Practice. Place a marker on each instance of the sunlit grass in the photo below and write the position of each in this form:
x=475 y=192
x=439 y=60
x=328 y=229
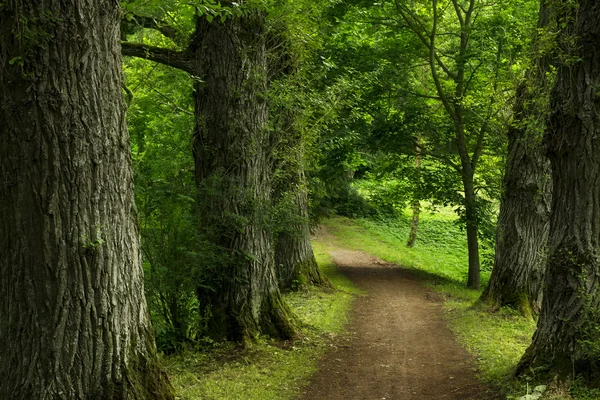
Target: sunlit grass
x=440 y=259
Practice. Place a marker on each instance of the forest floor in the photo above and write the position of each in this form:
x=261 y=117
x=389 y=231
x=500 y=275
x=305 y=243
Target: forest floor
x=398 y=345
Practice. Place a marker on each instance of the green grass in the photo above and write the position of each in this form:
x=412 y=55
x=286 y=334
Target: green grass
x=268 y=370
x=440 y=259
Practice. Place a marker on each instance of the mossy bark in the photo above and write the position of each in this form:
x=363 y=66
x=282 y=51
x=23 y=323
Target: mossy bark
x=73 y=317
x=523 y=223
x=294 y=258
x=234 y=176
x=566 y=341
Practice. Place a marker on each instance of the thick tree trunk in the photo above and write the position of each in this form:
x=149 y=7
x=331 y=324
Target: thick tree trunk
x=523 y=226
x=294 y=258
x=523 y=223
x=295 y=261
x=569 y=319
x=233 y=172
x=73 y=318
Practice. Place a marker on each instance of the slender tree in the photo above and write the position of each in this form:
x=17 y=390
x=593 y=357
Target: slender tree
x=452 y=83
x=416 y=204
x=523 y=223
x=73 y=317
x=565 y=342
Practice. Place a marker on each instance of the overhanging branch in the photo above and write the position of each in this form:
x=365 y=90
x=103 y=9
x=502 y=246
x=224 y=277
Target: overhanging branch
x=177 y=59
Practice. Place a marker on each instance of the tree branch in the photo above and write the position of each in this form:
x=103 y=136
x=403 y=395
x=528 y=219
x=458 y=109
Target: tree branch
x=153 y=23
x=414 y=23
x=177 y=59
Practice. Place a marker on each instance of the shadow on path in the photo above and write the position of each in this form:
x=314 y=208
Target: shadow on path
x=398 y=346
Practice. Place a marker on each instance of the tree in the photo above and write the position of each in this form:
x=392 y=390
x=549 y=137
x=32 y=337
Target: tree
x=231 y=151
x=452 y=85
x=228 y=54
x=565 y=343
x=73 y=317
x=295 y=262
x=455 y=60
x=523 y=223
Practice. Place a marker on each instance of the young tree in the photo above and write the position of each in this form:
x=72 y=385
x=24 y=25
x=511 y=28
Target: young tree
x=466 y=58
x=565 y=343
x=523 y=223
x=73 y=317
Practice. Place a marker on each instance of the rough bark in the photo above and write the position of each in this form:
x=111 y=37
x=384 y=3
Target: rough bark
x=569 y=316
x=295 y=261
x=524 y=220
x=234 y=170
x=523 y=224
x=294 y=257
x=73 y=317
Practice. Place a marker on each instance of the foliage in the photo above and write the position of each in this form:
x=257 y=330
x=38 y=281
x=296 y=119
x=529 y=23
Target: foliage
x=176 y=258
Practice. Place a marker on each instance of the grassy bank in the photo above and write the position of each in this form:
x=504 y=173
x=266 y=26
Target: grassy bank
x=440 y=259
x=268 y=370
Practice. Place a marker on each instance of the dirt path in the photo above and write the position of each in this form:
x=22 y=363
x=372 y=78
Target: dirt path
x=399 y=346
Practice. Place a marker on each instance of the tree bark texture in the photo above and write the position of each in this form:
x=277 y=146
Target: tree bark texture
x=524 y=220
x=73 y=318
x=523 y=223
x=233 y=170
x=569 y=316
x=294 y=257
x=295 y=261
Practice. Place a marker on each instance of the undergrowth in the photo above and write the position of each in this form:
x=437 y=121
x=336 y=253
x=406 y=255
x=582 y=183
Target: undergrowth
x=268 y=370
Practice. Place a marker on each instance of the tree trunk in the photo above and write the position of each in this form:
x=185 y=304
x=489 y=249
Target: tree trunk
x=233 y=171
x=73 y=317
x=414 y=225
x=523 y=223
x=294 y=258
x=416 y=205
x=472 y=230
x=565 y=342
x=295 y=261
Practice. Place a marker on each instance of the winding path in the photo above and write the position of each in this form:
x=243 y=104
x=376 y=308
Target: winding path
x=399 y=346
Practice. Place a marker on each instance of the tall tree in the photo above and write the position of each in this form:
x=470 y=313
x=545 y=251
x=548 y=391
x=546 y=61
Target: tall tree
x=524 y=220
x=295 y=261
x=232 y=165
x=231 y=151
x=450 y=34
x=565 y=342
x=73 y=317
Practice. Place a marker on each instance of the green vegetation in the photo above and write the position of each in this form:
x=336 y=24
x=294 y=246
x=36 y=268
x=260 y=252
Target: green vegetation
x=266 y=370
x=499 y=339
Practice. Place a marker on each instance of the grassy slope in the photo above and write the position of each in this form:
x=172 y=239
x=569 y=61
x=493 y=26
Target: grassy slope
x=440 y=257
x=263 y=370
